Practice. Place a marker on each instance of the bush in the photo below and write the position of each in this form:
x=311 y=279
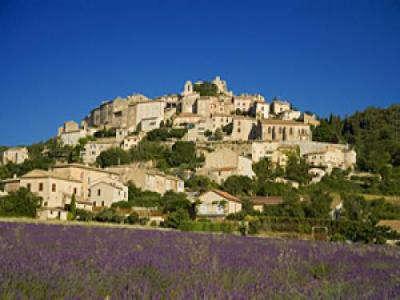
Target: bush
x=337 y=237
x=84 y=215
x=133 y=218
x=177 y=218
x=21 y=203
x=143 y=221
x=109 y=215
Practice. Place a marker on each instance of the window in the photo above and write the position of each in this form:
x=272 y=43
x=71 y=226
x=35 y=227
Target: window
x=94 y=203
x=53 y=187
x=98 y=192
x=269 y=129
x=40 y=186
x=75 y=191
x=88 y=191
x=102 y=203
x=28 y=186
x=45 y=203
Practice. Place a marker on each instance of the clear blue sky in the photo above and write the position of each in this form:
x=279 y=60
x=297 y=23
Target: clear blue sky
x=59 y=59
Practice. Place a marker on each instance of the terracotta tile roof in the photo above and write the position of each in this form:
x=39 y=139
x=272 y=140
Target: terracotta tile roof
x=262 y=200
x=226 y=195
x=393 y=224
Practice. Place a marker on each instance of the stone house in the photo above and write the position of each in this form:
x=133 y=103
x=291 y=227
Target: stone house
x=149 y=179
x=131 y=141
x=57 y=186
x=261 y=109
x=279 y=106
x=15 y=155
x=186 y=118
x=310 y=119
x=55 y=189
x=70 y=133
x=245 y=128
x=260 y=202
x=243 y=103
x=217 y=204
x=104 y=193
x=93 y=149
x=222 y=163
x=290 y=115
x=220 y=120
x=128 y=113
x=275 y=152
x=332 y=157
x=85 y=174
x=147 y=114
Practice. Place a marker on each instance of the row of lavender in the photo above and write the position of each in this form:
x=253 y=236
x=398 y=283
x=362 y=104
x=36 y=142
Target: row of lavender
x=54 y=261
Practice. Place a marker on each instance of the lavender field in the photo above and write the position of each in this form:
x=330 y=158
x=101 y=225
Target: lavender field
x=54 y=261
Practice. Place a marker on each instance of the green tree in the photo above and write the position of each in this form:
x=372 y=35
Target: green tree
x=21 y=203
x=319 y=205
x=297 y=169
x=72 y=207
x=177 y=218
x=183 y=153
x=113 y=156
x=200 y=183
x=206 y=89
x=264 y=169
x=238 y=185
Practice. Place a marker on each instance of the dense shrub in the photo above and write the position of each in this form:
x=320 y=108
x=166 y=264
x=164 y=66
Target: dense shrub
x=21 y=203
x=84 y=215
x=133 y=218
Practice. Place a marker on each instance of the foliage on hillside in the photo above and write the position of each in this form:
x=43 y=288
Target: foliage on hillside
x=181 y=155
x=44 y=155
x=206 y=88
x=375 y=133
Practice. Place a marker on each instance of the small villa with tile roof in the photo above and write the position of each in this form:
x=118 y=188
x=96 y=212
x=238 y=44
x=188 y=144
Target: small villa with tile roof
x=218 y=204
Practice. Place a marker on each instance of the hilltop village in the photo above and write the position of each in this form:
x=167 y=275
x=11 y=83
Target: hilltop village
x=211 y=132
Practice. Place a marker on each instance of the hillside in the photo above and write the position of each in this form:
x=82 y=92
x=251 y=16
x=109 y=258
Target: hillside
x=375 y=133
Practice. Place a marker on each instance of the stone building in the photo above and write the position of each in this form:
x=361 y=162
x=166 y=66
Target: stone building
x=93 y=149
x=310 y=119
x=260 y=203
x=131 y=112
x=131 y=141
x=149 y=179
x=220 y=120
x=332 y=157
x=15 y=155
x=70 y=133
x=105 y=192
x=280 y=106
x=273 y=130
x=90 y=186
x=244 y=102
x=187 y=118
x=275 y=152
x=222 y=163
x=245 y=128
x=218 y=204
x=290 y=115
x=261 y=109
